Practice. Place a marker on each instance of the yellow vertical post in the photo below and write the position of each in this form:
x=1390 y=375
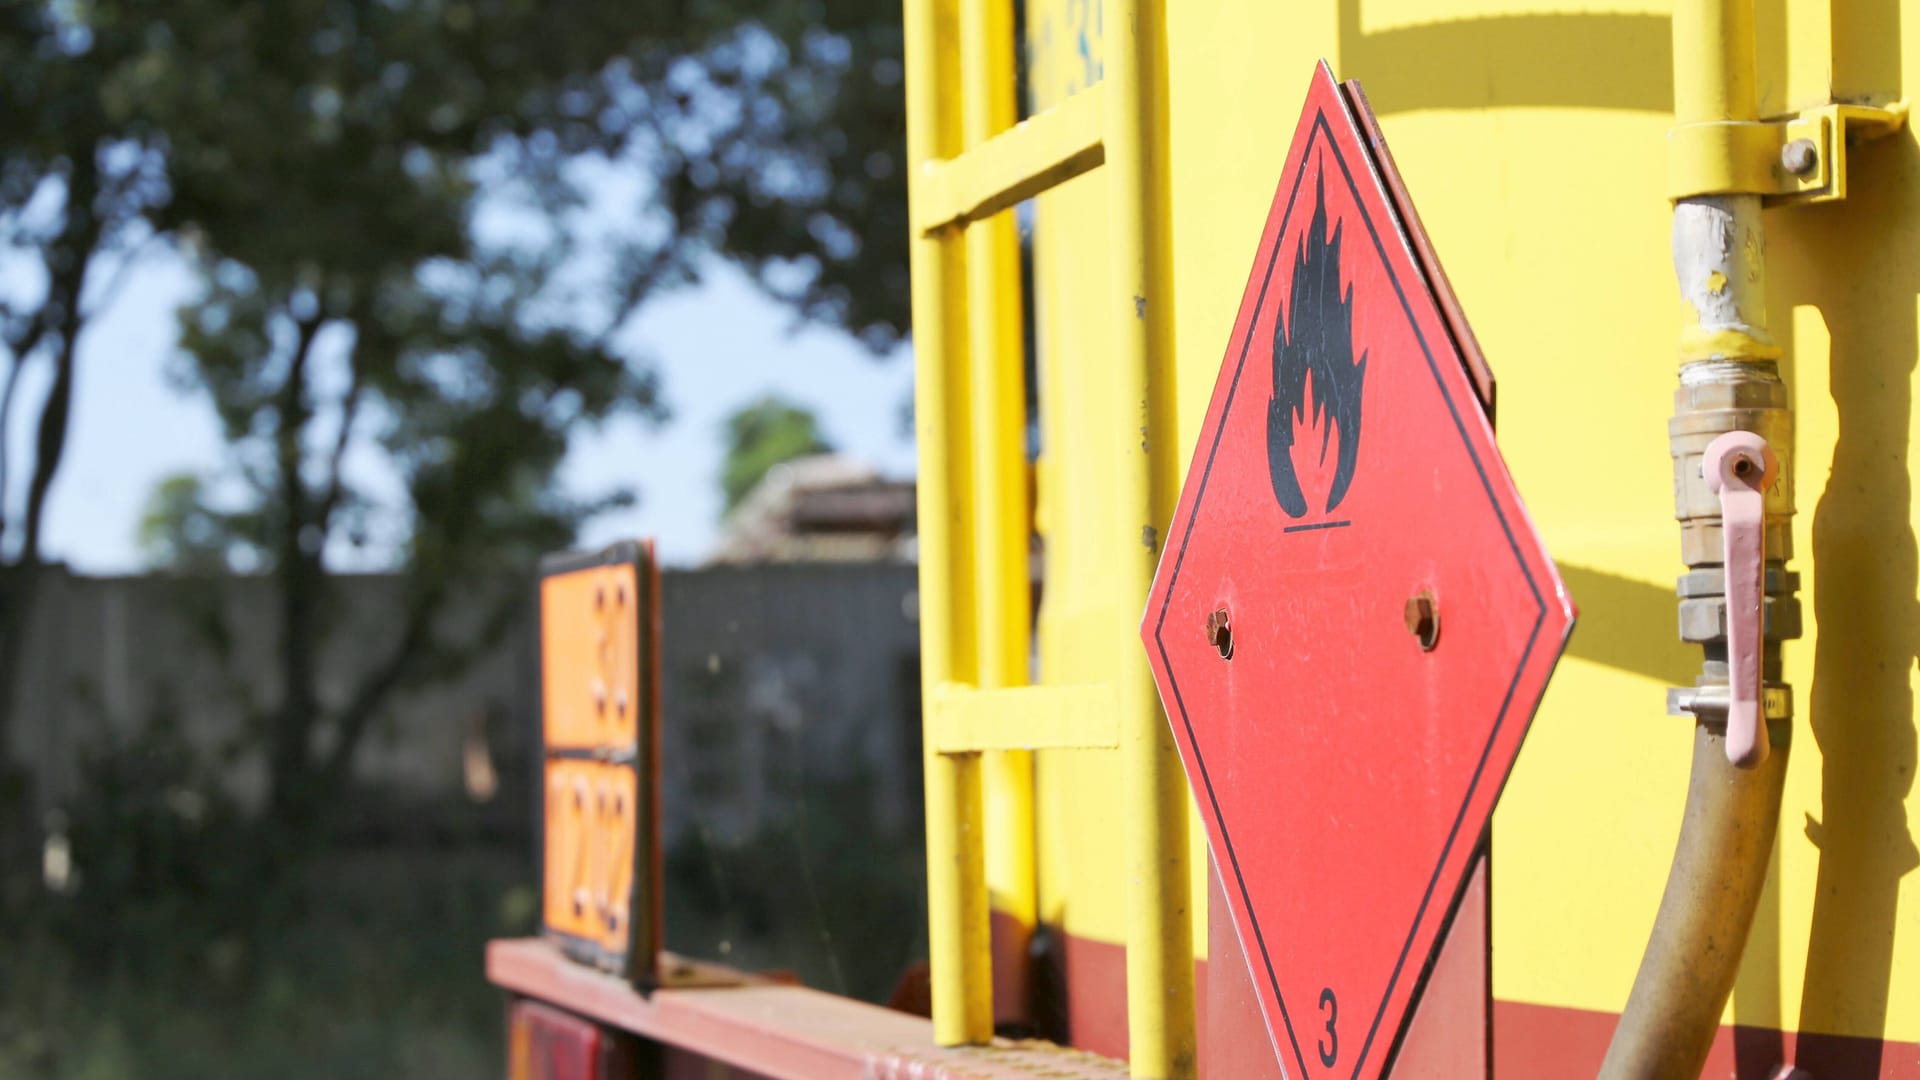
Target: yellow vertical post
x=1002 y=600
x=1160 y=1017
x=957 y=934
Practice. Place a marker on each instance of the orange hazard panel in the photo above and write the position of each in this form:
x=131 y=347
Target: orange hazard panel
x=590 y=833
x=590 y=656
x=599 y=669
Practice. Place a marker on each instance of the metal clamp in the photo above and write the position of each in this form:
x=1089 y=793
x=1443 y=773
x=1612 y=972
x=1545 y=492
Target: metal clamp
x=1787 y=160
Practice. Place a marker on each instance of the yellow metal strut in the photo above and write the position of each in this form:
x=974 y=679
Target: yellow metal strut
x=969 y=163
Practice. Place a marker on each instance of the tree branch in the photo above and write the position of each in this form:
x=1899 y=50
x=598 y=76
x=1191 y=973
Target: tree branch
x=33 y=331
x=382 y=681
x=295 y=410
x=121 y=273
x=6 y=427
x=67 y=264
x=349 y=410
x=67 y=261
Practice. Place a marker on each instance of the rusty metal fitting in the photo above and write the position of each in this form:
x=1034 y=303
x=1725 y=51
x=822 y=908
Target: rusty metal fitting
x=1703 y=606
x=1220 y=632
x=1422 y=618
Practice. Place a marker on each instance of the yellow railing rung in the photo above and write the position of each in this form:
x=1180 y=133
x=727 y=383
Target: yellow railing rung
x=1040 y=152
x=962 y=719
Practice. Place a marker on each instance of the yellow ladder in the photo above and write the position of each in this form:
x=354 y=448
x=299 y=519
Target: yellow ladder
x=970 y=163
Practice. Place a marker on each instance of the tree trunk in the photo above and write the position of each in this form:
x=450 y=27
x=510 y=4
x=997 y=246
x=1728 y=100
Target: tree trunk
x=67 y=260
x=298 y=567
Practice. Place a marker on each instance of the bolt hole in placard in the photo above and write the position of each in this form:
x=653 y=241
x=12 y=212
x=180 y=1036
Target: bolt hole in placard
x=1344 y=481
x=1220 y=633
x=599 y=741
x=1422 y=617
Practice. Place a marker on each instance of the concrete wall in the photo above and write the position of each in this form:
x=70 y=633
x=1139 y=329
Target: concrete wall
x=779 y=681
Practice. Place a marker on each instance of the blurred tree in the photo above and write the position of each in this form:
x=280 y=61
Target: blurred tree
x=181 y=530
x=792 y=114
x=397 y=214
x=335 y=133
x=328 y=161
x=79 y=170
x=764 y=434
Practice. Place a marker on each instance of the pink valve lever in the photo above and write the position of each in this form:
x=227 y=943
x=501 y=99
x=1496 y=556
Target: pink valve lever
x=1739 y=466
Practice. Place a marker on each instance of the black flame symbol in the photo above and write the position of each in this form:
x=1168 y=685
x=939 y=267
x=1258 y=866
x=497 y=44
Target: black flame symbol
x=1317 y=339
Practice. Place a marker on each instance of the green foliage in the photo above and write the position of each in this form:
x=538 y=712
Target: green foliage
x=797 y=162
x=764 y=434
x=366 y=964
x=189 y=943
x=771 y=133
x=330 y=168
x=325 y=161
x=180 y=529
x=410 y=294
x=388 y=208
x=156 y=846
x=79 y=173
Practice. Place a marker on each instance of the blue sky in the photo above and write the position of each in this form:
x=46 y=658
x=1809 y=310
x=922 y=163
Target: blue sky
x=717 y=346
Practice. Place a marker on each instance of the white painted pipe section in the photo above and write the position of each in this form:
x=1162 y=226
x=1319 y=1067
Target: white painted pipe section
x=1719 y=259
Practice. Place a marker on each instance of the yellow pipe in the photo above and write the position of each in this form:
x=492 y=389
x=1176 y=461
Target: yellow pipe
x=1160 y=1017
x=1002 y=579
x=1713 y=62
x=957 y=931
x=1714 y=99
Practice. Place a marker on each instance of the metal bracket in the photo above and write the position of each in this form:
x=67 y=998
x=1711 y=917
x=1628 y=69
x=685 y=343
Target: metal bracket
x=1788 y=160
x=1830 y=129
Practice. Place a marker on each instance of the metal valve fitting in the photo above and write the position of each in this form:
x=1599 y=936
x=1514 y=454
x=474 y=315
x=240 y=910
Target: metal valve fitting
x=1715 y=398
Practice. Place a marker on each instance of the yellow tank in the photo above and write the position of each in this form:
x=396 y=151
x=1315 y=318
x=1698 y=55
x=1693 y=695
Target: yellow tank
x=1534 y=140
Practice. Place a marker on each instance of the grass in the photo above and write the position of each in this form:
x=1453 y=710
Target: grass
x=366 y=964
x=194 y=947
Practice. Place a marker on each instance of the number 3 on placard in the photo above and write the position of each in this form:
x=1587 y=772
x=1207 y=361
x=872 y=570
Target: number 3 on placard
x=1330 y=1046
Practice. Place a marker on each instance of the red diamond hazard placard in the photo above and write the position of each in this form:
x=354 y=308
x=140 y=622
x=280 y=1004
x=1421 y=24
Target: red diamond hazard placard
x=1354 y=619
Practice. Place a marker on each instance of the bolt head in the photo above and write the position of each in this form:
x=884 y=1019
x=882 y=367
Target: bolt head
x=1800 y=157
